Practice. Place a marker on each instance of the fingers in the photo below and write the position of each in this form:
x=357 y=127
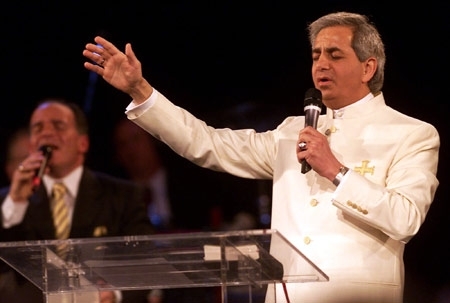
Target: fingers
x=306 y=136
x=94 y=68
x=23 y=175
x=105 y=47
x=302 y=142
x=129 y=52
x=91 y=53
x=96 y=62
x=306 y=143
x=132 y=59
x=31 y=163
x=103 y=51
x=24 y=169
x=95 y=52
x=100 y=53
x=302 y=146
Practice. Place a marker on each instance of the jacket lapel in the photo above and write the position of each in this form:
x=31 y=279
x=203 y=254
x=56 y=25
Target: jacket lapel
x=88 y=205
x=40 y=216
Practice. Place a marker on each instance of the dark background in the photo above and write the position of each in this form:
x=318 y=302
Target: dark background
x=231 y=63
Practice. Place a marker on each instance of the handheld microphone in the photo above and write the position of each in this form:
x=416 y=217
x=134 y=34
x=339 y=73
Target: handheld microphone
x=312 y=108
x=47 y=152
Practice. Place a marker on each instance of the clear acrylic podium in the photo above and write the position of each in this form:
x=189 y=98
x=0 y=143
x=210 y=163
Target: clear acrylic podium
x=76 y=270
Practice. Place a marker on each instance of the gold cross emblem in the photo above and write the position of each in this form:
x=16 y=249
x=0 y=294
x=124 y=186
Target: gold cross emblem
x=363 y=169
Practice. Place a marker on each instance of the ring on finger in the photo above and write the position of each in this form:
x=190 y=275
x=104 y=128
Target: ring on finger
x=302 y=145
x=21 y=167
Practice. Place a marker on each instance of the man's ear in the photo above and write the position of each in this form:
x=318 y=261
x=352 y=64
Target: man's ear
x=83 y=144
x=370 y=67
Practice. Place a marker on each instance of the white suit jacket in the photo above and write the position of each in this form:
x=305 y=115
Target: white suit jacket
x=355 y=234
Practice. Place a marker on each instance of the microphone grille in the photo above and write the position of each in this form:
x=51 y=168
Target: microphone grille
x=46 y=150
x=313 y=96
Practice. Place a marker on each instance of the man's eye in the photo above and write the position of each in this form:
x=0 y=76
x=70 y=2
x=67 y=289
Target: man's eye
x=35 y=129
x=335 y=56
x=60 y=126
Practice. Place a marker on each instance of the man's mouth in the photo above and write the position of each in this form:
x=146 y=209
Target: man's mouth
x=323 y=80
x=47 y=147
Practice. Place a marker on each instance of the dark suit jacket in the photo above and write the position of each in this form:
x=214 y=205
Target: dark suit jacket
x=105 y=207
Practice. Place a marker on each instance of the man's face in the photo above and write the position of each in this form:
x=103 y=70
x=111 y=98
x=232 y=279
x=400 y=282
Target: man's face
x=54 y=124
x=336 y=70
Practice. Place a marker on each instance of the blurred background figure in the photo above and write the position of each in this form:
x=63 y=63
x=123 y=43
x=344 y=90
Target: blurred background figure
x=137 y=155
x=17 y=149
x=138 y=160
x=96 y=204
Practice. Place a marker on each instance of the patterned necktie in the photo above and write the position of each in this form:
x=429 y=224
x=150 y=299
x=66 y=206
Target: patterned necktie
x=60 y=212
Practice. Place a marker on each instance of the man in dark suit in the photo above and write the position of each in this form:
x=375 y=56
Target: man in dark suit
x=98 y=205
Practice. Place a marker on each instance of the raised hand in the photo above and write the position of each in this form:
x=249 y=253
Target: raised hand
x=121 y=70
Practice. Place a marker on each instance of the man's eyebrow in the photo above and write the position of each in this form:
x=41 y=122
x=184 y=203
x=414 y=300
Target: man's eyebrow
x=327 y=49
x=35 y=123
x=52 y=121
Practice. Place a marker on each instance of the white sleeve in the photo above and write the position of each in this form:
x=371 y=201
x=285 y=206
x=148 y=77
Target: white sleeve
x=138 y=109
x=13 y=212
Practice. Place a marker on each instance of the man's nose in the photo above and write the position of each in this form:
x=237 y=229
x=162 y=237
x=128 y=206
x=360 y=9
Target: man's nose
x=322 y=62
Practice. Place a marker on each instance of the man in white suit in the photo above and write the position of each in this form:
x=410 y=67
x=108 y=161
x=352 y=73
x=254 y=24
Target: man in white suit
x=373 y=175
